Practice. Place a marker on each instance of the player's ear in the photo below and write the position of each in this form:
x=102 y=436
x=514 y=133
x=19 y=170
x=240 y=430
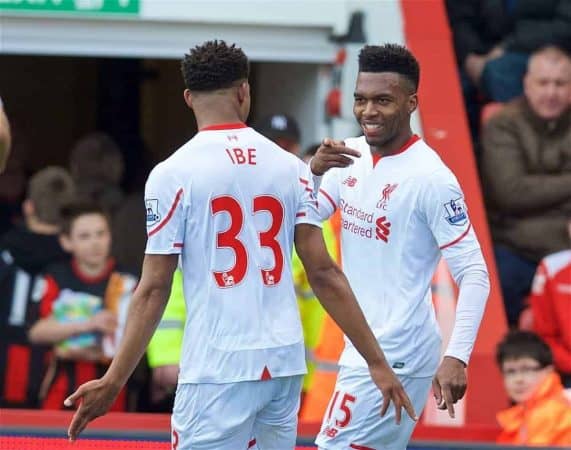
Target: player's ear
x=412 y=102
x=243 y=91
x=188 y=98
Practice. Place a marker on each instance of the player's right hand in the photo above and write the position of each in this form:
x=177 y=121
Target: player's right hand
x=331 y=154
x=96 y=398
x=392 y=390
x=104 y=321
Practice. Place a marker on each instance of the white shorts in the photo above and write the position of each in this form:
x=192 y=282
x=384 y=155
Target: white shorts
x=352 y=419
x=226 y=416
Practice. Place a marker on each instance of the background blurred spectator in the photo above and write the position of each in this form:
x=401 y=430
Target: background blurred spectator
x=283 y=130
x=526 y=167
x=96 y=165
x=5 y=137
x=493 y=38
x=541 y=414
x=551 y=307
x=13 y=183
x=130 y=233
x=25 y=252
x=129 y=228
x=83 y=306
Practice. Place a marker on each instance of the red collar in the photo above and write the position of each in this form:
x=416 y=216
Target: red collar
x=414 y=138
x=89 y=279
x=224 y=126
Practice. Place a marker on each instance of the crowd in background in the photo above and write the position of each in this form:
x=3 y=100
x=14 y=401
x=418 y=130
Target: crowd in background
x=73 y=240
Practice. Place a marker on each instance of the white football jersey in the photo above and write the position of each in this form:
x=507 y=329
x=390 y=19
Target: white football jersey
x=228 y=202
x=397 y=218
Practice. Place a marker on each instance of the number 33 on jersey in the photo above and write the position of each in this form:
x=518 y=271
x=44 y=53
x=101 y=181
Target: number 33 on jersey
x=228 y=202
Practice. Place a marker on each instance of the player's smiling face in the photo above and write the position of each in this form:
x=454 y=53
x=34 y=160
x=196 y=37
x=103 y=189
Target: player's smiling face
x=382 y=106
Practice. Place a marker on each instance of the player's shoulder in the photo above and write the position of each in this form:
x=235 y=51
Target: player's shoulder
x=555 y=262
x=170 y=168
x=282 y=160
x=268 y=145
x=429 y=165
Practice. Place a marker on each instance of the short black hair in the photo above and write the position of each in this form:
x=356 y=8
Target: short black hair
x=72 y=211
x=519 y=344
x=390 y=58
x=214 y=65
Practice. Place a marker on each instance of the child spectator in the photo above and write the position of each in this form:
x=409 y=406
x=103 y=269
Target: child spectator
x=83 y=306
x=25 y=251
x=541 y=414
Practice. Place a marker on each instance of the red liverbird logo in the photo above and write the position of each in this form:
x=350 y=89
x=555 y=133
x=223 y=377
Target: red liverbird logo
x=386 y=195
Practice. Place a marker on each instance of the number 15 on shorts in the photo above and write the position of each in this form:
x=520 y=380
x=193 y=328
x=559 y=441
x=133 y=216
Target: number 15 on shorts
x=339 y=413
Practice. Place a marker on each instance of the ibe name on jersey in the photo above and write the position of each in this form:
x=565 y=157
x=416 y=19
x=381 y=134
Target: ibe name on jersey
x=238 y=156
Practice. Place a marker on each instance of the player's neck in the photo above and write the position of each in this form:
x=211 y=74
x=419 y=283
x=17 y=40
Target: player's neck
x=395 y=145
x=209 y=119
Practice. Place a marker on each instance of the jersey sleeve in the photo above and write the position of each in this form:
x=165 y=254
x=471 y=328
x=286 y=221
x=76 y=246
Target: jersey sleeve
x=307 y=209
x=326 y=192
x=164 y=204
x=444 y=209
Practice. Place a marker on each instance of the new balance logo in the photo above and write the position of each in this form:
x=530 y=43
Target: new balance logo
x=383 y=229
x=330 y=432
x=350 y=181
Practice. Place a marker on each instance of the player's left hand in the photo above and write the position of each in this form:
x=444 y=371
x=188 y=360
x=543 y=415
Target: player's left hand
x=97 y=397
x=449 y=384
x=393 y=391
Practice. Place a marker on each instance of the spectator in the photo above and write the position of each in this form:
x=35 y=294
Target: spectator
x=551 y=307
x=283 y=130
x=129 y=232
x=5 y=138
x=96 y=165
x=129 y=229
x=541 y=414
x=83 y=306
x=25 y=252
x=526 y=167
x=13 y=184
x=493 y=38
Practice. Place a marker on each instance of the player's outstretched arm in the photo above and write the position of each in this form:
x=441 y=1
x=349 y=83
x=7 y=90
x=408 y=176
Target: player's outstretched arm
x=145 y=311
x=332 y=288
